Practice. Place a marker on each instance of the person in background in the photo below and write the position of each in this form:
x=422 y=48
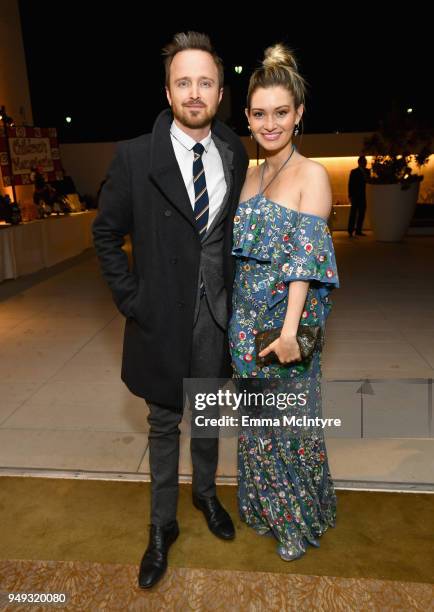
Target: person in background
x=357 y=197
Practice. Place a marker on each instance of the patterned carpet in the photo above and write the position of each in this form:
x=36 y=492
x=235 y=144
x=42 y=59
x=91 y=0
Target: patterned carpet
x=95 y=586
x=86 y=538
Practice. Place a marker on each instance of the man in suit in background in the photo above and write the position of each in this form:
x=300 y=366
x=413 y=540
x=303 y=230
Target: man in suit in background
x=357 y=197
x=175 y=192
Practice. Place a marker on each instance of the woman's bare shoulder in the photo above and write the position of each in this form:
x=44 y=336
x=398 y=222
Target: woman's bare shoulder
x=314 y=169
x=311 y=167
x=316 y=195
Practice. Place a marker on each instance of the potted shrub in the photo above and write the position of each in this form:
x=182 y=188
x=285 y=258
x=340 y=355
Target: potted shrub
x=393 y=187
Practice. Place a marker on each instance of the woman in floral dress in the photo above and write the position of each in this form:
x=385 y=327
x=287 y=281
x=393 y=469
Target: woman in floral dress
x=285 y=270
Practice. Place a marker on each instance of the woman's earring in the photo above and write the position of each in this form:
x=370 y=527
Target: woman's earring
x=250 y=130
x=296 y=129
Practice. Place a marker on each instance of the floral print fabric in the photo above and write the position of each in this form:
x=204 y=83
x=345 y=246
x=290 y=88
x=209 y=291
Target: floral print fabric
x=285 y=487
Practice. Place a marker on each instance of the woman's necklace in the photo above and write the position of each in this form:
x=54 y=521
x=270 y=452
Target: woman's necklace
x=261 y=191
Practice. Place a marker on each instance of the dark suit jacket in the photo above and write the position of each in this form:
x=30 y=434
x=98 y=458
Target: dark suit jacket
x=145 y=196
x=357 y=185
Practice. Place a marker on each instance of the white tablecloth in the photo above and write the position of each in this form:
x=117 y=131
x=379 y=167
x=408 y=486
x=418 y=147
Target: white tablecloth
x=40 y=244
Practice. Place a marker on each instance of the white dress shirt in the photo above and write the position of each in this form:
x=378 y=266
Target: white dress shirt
x=212 y=164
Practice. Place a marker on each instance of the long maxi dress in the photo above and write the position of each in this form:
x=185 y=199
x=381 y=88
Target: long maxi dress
x=285 y=487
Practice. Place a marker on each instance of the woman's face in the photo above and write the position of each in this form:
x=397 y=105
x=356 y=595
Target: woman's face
x=272 y=117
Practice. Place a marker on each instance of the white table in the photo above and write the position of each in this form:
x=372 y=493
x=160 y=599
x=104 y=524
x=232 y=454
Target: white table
x=29 y=247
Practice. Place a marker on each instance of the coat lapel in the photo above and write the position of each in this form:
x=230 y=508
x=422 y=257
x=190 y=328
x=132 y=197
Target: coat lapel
x=164 y=169
x=166 y=175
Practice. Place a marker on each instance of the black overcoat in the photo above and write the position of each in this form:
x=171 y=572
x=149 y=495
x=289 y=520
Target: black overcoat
x=145 y=196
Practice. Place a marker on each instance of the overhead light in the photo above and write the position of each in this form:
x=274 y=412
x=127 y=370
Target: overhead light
x=68 y=119
x=238 y=69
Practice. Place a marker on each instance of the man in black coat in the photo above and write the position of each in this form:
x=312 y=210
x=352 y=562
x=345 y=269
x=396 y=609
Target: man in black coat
x=357 y=197
x=175 y=192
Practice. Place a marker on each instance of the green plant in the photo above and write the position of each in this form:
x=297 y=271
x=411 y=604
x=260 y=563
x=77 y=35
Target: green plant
x=398 y=143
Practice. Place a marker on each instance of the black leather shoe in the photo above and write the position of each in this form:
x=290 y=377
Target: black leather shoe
x=219 y=521
x=154 y=561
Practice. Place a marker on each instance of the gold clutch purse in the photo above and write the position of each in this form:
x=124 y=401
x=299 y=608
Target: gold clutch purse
x=308 y=337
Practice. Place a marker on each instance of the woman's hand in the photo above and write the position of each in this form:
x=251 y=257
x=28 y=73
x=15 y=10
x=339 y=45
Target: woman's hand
x=286 y=348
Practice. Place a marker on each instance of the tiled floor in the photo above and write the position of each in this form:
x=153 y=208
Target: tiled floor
x=63 y=405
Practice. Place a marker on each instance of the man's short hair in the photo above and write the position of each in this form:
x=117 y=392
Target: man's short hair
x=184 y=41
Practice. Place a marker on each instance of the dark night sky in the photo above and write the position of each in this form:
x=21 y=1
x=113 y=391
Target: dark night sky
x=102 y=65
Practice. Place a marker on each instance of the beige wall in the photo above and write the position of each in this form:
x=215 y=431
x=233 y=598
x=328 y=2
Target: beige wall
x=14 y=86
x=339 y=153
x=321 y=145
x=87 y=164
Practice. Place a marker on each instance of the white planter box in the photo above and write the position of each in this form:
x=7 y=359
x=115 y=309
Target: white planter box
x=391 y=209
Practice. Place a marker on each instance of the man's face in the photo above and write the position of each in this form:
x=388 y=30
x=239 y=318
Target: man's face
x=194 y=92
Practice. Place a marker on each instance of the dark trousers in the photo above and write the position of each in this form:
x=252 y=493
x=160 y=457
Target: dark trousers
x=207 y=356
x=357 y=215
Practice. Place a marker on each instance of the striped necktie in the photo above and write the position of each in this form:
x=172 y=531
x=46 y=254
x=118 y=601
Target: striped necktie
x=201 y=202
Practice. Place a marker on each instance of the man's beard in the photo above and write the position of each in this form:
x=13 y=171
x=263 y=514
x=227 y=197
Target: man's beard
x=193 y=120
